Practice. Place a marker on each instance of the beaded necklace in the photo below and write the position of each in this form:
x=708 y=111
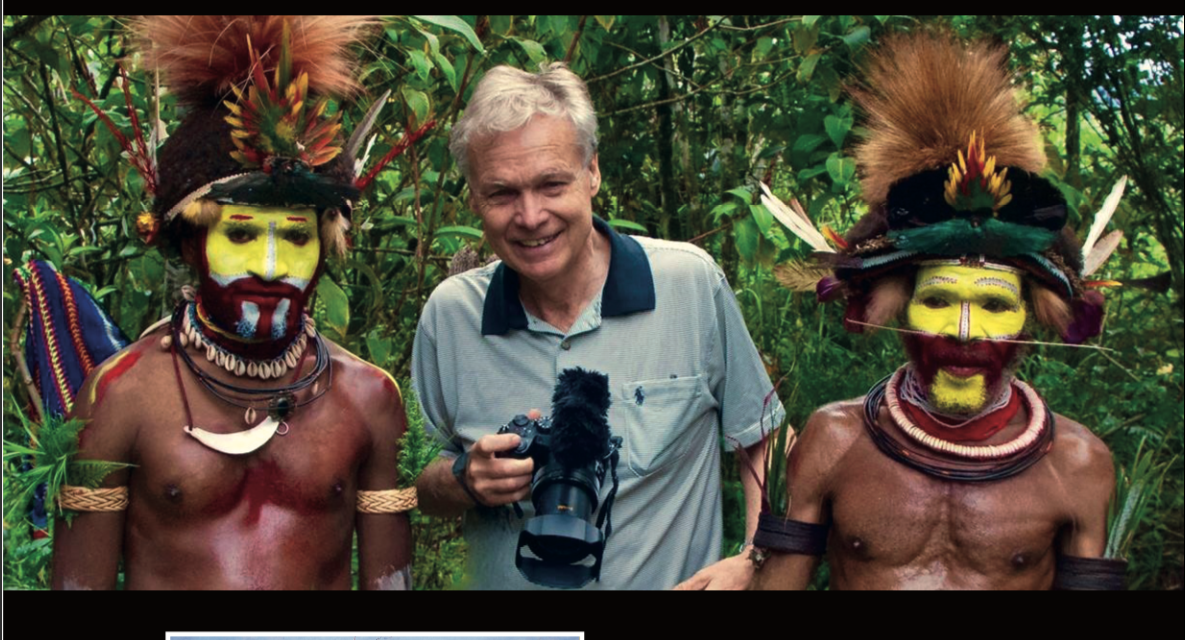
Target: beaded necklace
x=953 y=461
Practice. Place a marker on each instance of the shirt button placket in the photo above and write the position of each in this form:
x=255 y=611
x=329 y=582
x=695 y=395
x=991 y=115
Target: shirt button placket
x=564 y=356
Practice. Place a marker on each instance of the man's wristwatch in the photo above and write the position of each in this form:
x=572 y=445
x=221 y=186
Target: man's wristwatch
x=459 y=465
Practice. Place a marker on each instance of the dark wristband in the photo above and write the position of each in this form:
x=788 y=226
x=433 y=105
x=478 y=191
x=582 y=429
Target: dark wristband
x=459 y=465
x=776 y=533
x=1090 y=574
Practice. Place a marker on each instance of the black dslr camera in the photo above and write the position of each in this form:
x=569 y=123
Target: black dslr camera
x=572 y=450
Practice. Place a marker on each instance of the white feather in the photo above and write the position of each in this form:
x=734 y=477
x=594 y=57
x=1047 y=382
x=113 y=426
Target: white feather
x=1103 y=216
x=1101 y=251
x=795 y=221
x=363 y=128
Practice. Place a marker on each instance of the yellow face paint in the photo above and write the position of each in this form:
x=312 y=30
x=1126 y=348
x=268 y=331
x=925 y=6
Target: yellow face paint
x=267 y=242
x=958 y=396
x=967 y=303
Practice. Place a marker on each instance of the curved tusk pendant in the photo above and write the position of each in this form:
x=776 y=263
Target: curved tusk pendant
x=239 y=442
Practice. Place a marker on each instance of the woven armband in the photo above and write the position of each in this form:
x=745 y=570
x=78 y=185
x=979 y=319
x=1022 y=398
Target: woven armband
x=83 y=499
x=1090 y=574
x=387 y=501
x=790 y=536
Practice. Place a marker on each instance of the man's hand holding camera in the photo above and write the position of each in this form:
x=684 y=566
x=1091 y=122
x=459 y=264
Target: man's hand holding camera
x=498 y=481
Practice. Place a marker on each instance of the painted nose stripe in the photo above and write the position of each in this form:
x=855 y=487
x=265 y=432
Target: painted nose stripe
x=965 y=322
x=270 y=267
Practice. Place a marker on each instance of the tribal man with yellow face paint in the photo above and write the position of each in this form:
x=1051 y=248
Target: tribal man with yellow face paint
x=950 y=473
x=960 y=313
x=261 y=450
x=259 y=265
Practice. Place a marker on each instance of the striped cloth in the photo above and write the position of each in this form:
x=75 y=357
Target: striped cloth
x=67 y=336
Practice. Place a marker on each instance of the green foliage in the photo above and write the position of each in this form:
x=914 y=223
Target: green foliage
x=50 y=459
x=438 y=562
x=47 y=459
x=416 y=448
x=1135 y=490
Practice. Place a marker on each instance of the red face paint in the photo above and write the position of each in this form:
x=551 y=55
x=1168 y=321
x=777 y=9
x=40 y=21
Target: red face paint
x=930 y=353
x=223 y=304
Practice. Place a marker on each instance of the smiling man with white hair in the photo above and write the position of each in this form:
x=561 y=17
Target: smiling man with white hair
x=657 y=317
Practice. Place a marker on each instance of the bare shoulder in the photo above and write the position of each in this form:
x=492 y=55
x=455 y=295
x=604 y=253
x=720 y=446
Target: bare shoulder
x=113 y=400
x=1079 y=454
x=833 y=428
x=828 y=435
x=365 y=385
x=128 y=376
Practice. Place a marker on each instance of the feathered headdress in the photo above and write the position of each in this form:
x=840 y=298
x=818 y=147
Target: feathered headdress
x=257 y=129
x=949 y=170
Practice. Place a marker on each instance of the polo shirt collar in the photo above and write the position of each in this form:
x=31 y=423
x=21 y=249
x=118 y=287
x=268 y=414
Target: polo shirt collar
x=629 y=286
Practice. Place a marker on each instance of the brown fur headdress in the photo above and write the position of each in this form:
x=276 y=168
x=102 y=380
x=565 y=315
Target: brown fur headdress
x=203 y=56
x=949 y=169
x=925 y=94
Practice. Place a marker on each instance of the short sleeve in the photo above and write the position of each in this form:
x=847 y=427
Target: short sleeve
x=428 y=384
x=749 y=410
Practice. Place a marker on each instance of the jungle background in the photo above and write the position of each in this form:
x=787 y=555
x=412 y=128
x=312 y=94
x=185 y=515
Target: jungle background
x=694 y=111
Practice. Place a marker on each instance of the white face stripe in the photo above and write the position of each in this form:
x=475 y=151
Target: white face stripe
x=270 y=268
x=998 y=282
x=225 y=280
x=965 y=322
x=249 y=320
x=280 y=319
x=299 y=283
x=933 y=280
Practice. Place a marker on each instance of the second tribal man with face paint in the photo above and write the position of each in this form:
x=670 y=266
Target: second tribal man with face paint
x=951 y=473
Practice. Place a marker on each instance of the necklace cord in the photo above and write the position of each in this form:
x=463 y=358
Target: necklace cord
x=180 y=384
x=323 y=365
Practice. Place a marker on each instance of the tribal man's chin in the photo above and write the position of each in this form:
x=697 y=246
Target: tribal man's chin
x=255 y=318
x=962 y=377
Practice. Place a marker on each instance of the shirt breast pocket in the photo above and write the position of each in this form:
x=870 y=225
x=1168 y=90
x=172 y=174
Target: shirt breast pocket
x=663 y=420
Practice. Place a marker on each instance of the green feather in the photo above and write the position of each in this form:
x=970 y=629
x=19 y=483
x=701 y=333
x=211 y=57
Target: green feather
x=959 y=236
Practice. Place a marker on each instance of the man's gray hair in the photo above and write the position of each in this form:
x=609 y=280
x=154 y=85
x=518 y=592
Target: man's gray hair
x=506 y=98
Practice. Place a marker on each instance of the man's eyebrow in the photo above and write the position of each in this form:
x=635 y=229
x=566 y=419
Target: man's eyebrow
x=297 y=219
x=552 y=174
x=241 y=216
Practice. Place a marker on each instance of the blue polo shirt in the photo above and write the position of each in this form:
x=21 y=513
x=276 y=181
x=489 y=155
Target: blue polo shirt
x=667 y=330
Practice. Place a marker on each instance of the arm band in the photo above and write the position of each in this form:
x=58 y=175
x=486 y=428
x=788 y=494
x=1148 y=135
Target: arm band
x=387 y=501
x=116 y=499
x=83 y=499
x=1090 y=574
x=790 y=536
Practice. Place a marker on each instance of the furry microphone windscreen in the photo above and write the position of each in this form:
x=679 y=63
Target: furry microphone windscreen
x=580 y=417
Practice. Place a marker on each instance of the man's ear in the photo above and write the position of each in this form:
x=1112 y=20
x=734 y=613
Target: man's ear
x=191 y=247
x=594 y=179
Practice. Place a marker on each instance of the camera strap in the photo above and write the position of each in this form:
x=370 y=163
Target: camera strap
x=603 y=517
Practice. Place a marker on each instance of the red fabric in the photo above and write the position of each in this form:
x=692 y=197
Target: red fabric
x=977 y=431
